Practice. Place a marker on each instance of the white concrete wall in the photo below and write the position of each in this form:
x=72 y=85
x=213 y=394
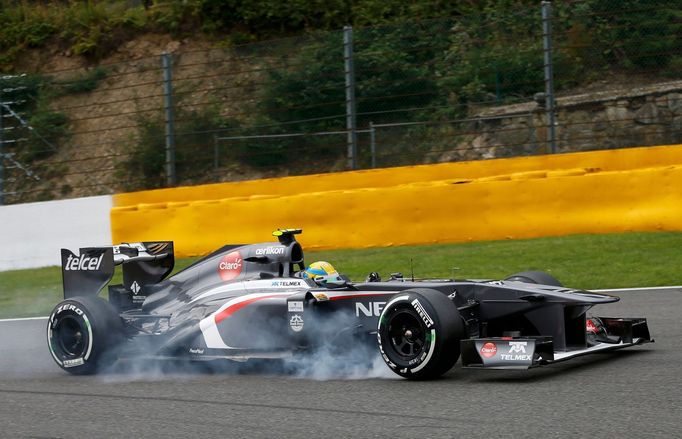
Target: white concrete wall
x=32 y=234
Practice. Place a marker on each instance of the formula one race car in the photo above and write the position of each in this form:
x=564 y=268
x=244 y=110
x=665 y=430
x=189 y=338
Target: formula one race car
x=246 y=302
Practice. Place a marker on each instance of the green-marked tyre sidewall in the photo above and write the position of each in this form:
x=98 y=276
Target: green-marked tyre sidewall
x=442 y=337
x=100 y=327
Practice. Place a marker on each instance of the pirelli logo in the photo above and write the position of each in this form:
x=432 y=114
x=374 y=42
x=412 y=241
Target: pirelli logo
x=428 y=321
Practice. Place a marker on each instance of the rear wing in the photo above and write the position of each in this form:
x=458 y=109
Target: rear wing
x=143 y=263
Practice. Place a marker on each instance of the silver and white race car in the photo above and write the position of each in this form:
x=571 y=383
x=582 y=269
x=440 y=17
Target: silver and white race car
x=246 y=302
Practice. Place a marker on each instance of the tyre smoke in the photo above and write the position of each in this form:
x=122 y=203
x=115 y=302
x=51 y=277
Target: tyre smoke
x=338 y=353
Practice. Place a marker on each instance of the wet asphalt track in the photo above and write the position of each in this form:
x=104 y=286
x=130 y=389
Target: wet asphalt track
x=635 y=392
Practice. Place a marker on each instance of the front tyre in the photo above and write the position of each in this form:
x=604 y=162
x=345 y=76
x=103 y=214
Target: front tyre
x=82 y=333
x=419 y=334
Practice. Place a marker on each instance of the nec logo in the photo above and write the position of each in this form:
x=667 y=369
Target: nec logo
x=371 y=309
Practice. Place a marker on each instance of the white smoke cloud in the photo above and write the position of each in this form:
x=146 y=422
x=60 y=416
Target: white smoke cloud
x=341 y=354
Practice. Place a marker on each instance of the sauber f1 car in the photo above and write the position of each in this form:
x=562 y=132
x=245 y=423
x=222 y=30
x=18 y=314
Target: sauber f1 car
x=245 y=302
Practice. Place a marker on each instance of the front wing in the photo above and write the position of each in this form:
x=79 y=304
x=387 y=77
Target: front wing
x=527 y=352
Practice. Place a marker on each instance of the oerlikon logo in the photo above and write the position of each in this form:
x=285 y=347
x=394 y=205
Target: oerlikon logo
x=230 y=266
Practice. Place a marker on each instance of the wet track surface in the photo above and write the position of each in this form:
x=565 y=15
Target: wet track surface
x=635 y=392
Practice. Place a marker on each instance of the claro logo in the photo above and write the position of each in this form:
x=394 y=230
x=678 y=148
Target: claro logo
x=230 y=266
x=489 y=349
x=83 y=262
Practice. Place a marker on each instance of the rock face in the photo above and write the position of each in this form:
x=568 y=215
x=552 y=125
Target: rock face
x=650 y=115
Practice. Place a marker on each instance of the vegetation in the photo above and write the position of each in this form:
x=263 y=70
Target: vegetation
x=415 y=61
x=438 y=69
x=581 y=261
x=145 y=161
x=95 y=28
x=26 y=99
x=84 y=82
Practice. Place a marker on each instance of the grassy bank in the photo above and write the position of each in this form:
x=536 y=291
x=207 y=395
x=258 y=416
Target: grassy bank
x=581 y=261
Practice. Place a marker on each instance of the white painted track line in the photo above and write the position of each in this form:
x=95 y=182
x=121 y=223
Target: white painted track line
x=616 y=290
x=23 y=318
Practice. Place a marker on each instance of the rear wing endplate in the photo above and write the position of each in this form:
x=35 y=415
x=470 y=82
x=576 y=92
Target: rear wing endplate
x=91 y=270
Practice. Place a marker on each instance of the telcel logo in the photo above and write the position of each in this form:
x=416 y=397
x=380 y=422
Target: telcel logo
x=83 y=262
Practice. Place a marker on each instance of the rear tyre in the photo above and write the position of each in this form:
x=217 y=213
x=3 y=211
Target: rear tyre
x=82 y=334
x=419 y=334
x=535 y=277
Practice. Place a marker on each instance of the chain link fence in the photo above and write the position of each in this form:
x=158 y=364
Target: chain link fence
x=591 y=74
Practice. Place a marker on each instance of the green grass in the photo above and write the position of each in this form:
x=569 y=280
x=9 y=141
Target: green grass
x=580 y=261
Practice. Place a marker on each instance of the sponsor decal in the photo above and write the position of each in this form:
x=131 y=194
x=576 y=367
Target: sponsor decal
x=197 y=351
x=422 y=313
x=517 y=347
x=296 y=323
x=295 y=306
x=489 y=349
x=135 y=245
x=267 y=251
x=230 y=266
x=515 y=357
x=391 y=364
x=135 y=287
x=417 y=360
x=69 y=307
x=517 y=352
x=370 y=309
x=73 y=363
x=321 y=296
x=286 y=283
x=591 y=327
x=157 y=248
x=83 y=263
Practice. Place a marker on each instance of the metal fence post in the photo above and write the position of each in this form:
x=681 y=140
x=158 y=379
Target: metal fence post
x=350 y=97
x=373 y=144
x=549 y=73
x=216 y=159
x=166 y=61
x=2 y=156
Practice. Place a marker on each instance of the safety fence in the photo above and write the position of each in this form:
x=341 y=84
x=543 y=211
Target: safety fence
x=556 y=77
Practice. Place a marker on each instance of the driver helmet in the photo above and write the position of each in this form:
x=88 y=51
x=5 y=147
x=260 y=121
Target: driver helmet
x=322 y=273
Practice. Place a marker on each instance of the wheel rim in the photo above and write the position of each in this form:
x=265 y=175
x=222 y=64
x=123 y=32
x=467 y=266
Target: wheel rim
x=406 y=334
x=71 y=336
